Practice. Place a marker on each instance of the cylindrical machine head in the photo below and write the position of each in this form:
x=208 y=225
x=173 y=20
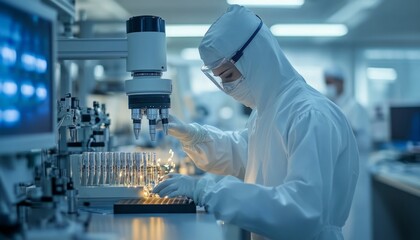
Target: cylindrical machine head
x=146 y=60
x=146 y=44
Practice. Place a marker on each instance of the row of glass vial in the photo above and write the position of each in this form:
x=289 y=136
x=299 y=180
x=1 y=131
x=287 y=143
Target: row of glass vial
x=119 y=168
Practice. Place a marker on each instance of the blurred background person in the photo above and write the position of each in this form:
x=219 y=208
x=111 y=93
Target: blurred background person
x=358 y=225
x=355 y=113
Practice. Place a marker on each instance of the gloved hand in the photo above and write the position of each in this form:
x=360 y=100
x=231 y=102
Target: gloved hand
x=179 y=129
x=176 y=185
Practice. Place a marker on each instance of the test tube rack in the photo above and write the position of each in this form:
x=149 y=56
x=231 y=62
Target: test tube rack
x=114 y=175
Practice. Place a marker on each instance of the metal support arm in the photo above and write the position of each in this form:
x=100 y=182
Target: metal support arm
x=92 y=48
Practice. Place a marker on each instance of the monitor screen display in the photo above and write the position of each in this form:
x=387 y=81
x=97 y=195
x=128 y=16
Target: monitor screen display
x=26 y=76
x=405 y=123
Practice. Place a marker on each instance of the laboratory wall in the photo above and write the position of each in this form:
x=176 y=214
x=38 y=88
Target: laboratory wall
x=377 y=77
x=386 y=77
x=400 y=84
x=310 y=61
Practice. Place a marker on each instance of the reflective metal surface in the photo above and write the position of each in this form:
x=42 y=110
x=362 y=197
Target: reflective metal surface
x=163 y=226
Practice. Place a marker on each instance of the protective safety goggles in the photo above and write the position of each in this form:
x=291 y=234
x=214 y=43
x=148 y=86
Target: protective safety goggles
x=227 y=63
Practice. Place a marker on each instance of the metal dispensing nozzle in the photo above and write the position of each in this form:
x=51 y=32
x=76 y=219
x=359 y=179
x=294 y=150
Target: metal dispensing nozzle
x=164 y=115
x=136 y=117
x=152 y=114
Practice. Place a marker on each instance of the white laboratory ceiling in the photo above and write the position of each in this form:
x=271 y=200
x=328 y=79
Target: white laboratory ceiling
x=368 y=21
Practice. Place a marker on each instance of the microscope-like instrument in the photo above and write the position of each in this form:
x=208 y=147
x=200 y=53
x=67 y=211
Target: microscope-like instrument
x=145 y=51
x=148 y=94
x=82 y=129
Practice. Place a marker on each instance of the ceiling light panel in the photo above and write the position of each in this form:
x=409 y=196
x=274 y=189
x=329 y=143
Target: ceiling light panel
x=268 y=3
x=187 y=30
x=309 y=30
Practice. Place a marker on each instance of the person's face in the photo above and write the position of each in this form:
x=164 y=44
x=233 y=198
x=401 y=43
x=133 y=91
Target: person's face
x=330 y=81
x=338 y=84
x=227 y=72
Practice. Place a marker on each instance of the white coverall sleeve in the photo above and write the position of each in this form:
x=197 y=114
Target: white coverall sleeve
x=219 y=152
x=293 y=209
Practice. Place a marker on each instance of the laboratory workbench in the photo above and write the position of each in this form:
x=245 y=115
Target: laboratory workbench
x=395 y=200
x=200 y=225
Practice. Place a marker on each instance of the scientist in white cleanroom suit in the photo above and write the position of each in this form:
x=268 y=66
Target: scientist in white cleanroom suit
x=291 y=173
x=355 y=113
x=358 y=225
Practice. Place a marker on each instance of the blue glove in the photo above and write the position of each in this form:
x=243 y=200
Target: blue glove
x=176 y=185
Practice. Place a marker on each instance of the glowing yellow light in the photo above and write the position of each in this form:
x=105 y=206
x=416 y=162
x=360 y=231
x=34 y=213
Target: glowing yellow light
x=171 y=153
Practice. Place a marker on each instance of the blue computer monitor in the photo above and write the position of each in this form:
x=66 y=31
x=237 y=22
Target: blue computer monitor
x=405 y=123
x=27 y=92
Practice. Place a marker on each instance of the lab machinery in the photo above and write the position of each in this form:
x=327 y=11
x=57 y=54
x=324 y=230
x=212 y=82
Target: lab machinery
x=145 y=52
x=110 y=176
x=80 y=128
x=155 y=205
x=27 y=122
x=405 y=123
x=27 y=50
x=405 y=132
x=56 y=155
x=148 y=94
